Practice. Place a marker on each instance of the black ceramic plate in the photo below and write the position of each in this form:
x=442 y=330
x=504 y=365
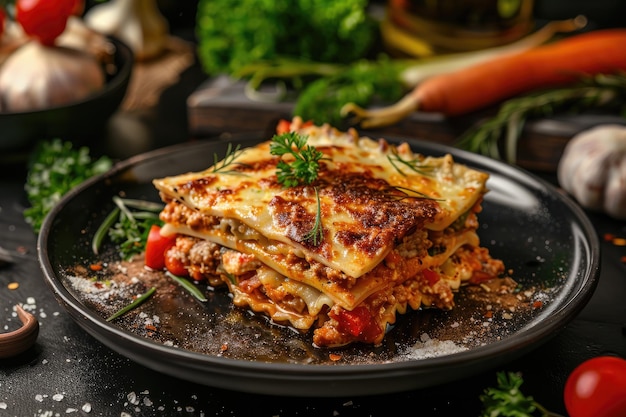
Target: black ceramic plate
x=539 y=233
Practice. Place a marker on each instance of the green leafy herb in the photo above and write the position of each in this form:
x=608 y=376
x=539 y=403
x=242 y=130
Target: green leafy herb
x=504 y=130
x=230 y=36
x=228 y=160
x=192 y=289
x=363 y=82
x=136 y=302
x=57 y=167
x=304 y=168
x=128 y=226
x=507 y=400
x=316 y=234
x=413 y=164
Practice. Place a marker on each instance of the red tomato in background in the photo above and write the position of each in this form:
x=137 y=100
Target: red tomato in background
x=3 y=16
x=156 y=245
x=43 y=20
x=597 y=388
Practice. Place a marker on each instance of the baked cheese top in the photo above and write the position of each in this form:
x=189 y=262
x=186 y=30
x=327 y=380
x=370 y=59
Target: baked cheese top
x=370 y=195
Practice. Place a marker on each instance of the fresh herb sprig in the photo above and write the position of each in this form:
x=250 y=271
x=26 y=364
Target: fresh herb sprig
x=503 y=131
x=507 y=400
x=305 y=166
x=413 y=164
x=316 y=234
x=134 y=304
x=128 y=225
x=304 y=169
x=225 y=165
x=55 y=168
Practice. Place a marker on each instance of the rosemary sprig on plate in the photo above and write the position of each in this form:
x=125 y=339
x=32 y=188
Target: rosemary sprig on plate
x=143 y=297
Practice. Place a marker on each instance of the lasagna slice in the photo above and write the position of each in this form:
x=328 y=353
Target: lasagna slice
x=379 y=231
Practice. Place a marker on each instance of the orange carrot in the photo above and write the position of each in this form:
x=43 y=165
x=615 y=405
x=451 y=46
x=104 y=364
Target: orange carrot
x=473 y=88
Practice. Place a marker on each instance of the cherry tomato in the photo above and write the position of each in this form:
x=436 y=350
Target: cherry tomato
x=597 y=388
x=283 y=126
x=156 y=245
x=43 y=20
x=3 y=16
x=175 y=266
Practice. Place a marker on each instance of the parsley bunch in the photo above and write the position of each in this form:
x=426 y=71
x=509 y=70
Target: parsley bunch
x=56 y=167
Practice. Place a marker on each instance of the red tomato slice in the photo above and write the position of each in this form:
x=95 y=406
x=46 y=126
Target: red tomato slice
x=358 y=323
x=597 y=388
x=156 y=245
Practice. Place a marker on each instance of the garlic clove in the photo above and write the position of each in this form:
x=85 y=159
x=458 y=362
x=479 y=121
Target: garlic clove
x=592 y=169
x=37 y=77
x=138 y=23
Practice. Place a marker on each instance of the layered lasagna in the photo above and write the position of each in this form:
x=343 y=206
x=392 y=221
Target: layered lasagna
x=379 y=231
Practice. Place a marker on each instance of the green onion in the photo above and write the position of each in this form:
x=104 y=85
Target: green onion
x=192 y=289
x=137 y=301
x=102 y=231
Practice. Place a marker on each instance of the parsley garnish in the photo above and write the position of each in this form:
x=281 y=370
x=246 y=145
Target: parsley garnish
x=304 y=168
x=507 y=400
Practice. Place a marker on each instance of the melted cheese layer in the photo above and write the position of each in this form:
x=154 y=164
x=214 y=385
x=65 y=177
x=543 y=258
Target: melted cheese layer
x=371 y=195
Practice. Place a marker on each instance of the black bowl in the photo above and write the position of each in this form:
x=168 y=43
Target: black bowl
x=77 y=122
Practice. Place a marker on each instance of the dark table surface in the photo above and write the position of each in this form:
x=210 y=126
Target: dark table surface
x=68 y=372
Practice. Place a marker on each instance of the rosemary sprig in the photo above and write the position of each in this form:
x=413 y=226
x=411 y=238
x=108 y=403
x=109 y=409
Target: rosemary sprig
x=191 y=289
x=504 y=130
x=413 y=164
x=228 y=160
x=316 y=234
x=407 y=191
x=143 y=297
x=305 y=167
x=127 y=225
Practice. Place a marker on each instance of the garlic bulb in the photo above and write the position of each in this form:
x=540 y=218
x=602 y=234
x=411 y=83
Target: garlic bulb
x=36 y=77
x=138 y=23
x=593 y=169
